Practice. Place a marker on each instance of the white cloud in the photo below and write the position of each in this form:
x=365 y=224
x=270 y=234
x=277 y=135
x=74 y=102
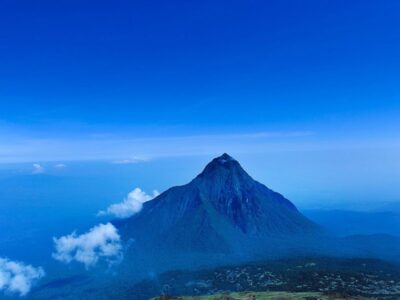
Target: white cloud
x=129 y=206
x=60 y=166
x=37 y=169
x=100 y=242
x=17 y=277
x=133 y=160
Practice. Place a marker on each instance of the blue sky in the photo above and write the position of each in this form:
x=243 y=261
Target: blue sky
x=298 y=85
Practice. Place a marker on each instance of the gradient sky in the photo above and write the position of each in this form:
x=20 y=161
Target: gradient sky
x=305 y=89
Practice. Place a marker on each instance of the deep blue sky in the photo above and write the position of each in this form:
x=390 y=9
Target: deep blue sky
x=300 y=90
x=199 y=65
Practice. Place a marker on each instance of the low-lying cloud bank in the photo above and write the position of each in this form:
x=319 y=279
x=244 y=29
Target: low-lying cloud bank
x=129 y=206
x=133 y=160
x=17 y=277
x=37 y=169
x=100 y=242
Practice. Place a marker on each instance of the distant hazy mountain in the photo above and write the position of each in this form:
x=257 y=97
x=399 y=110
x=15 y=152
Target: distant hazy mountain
x=222 y=210
x=376 y=245
x=392 y=207
x=346 y=222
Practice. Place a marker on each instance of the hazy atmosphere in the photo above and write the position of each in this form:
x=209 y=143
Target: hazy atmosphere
x=104 y=106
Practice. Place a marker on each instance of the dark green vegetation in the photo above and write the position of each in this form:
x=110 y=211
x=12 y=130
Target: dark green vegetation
x=351 y=277
x=331 y=276
x=266 y=296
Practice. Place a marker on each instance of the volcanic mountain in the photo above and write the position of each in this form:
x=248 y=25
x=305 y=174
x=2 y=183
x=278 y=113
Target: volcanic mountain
x=222 y=210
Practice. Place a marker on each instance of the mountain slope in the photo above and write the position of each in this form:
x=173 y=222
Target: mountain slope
x=222 y=210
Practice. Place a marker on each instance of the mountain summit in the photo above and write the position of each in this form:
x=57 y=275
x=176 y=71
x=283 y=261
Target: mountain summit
x=219 y=211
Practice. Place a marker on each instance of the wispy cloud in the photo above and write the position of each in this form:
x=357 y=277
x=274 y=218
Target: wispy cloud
x=133 y=160
x=37 y=169
x=100 y=242
x=117 y=148
x=60 y=166
x=17 y=277
x=129 y=206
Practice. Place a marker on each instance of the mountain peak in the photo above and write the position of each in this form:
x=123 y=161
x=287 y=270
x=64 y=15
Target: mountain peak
x=224 y=164
x=225 y=157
